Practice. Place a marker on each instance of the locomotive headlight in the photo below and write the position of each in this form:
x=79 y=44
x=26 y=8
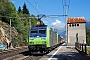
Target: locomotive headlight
x=31 y=43
x=31 y=38
x=43 y=42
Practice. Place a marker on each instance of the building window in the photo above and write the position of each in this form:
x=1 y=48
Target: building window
x=70 y=25
x=77 y=24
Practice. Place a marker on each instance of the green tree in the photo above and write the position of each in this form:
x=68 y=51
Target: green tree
x=19 y=10
x=33 y=20
x=4 y=0
x=22 y=25
x=7 y=10
x=88 y=35
x=25 y=10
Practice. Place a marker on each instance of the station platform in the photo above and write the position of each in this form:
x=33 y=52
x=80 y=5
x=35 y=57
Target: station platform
x=64 y=53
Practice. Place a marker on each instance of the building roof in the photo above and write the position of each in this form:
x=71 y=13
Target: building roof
x=76 y=20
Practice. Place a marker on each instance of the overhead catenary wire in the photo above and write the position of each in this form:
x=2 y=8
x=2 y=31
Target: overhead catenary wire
x=49 y=16
x=32 y=5
x=40 y=7
x=36 y=6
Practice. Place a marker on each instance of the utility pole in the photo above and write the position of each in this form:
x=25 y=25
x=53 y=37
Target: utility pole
x=10 y=43
x=65 y=11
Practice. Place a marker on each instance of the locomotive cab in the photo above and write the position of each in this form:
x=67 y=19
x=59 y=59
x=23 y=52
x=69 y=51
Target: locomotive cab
x=37 y=39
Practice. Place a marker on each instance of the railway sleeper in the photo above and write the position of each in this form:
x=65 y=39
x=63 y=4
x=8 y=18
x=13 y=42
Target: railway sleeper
x=38 y=48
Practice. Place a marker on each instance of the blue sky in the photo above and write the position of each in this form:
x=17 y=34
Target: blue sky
x=77 y=8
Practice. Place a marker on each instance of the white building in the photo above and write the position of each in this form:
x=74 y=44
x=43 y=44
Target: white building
x=76 y=30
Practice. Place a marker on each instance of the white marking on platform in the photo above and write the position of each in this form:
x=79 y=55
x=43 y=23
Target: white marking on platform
x=55 y=52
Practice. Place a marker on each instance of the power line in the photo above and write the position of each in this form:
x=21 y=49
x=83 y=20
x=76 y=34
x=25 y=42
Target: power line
x=32 y=5
x=36 y=6
x=39 y=6
x=42 y=9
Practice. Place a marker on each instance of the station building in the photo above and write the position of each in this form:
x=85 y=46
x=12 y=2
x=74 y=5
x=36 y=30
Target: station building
x=76 y=30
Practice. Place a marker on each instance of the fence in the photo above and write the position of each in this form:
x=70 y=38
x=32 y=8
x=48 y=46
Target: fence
x=81 y=47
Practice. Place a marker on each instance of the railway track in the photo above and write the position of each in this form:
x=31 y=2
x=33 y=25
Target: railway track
x=15 y=52
x=20 y=53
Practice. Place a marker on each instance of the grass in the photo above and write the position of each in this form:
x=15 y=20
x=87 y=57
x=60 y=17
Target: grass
x=88 y=50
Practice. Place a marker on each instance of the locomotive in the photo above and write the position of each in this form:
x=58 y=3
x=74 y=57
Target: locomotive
x=43 y=39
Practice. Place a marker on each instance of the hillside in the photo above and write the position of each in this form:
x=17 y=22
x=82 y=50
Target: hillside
x=5 y=33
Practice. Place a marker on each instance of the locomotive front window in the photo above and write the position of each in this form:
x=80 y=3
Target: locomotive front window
x=34 y=32
x=42 y=31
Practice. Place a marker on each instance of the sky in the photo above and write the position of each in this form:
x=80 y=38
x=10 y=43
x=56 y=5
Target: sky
x=77 y=8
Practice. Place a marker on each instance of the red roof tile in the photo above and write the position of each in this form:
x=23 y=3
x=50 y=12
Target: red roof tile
x=76 y=20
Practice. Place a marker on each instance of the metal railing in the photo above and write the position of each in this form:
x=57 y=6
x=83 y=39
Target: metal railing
x=81 y=47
